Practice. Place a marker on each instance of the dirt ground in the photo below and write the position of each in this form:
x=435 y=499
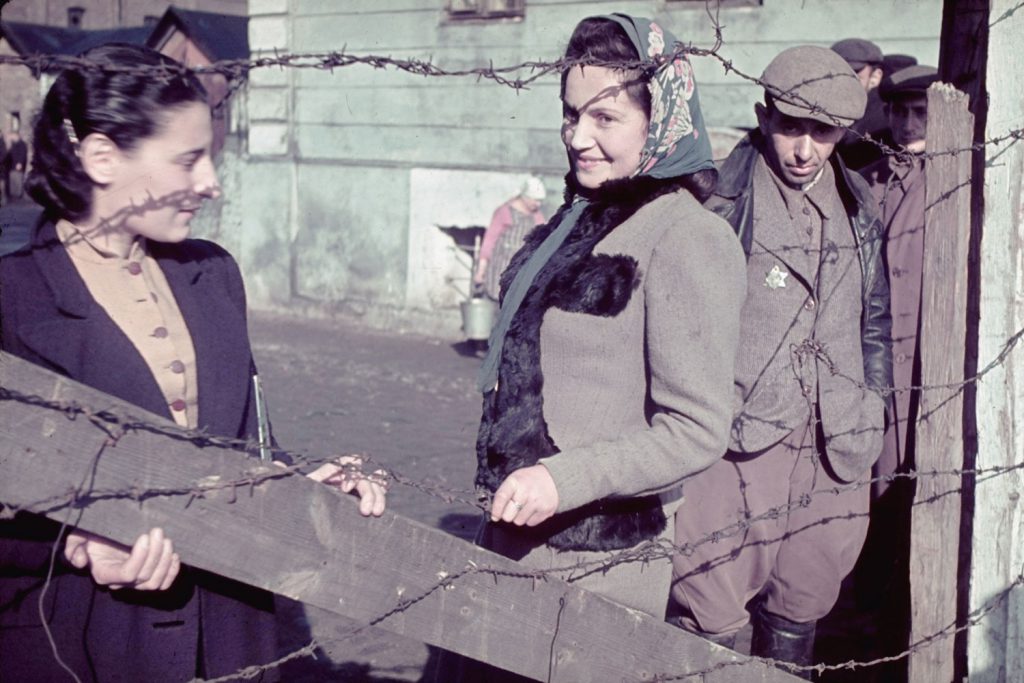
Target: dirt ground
x=408 y=402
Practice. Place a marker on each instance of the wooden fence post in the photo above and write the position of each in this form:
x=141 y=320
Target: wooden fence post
x=935 y=518
x=247 y=520
x=996 y=645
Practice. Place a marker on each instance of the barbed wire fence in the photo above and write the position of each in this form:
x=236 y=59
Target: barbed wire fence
x=518 y=76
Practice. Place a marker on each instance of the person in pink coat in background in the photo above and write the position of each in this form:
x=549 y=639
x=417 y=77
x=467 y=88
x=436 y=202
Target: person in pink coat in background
x=510 y=224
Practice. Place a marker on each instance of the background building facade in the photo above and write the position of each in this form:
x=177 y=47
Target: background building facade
x=342 y=177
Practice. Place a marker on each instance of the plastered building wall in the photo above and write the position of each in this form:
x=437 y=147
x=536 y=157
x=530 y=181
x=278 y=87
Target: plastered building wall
x=342 y=177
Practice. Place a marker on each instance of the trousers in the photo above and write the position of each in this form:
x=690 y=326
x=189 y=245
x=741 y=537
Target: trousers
x=791 y=534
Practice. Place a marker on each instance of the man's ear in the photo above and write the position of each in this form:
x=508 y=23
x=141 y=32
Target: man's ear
x=762 y=117
x=100 y=157
x=875 y=78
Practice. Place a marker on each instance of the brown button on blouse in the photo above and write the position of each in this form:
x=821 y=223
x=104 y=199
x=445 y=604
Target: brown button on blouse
x=133 y=291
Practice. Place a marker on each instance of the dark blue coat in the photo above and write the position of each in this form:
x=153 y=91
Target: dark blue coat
x=206 y=624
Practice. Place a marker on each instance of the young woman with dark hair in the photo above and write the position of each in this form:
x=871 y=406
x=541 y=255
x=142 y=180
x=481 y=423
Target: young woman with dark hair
x=113 y=294
x=609 y=375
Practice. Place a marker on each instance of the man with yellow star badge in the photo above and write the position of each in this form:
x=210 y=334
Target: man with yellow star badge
x=812 y=373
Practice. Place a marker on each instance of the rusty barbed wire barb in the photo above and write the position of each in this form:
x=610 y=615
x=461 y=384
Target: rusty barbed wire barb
x=238 y=71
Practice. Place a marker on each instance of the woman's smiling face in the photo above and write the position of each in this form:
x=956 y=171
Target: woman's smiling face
x=603 y=128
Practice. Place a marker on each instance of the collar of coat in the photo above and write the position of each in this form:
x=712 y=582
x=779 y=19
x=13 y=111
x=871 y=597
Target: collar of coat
x=733 y=195
x=62 y=327
x=49 y=253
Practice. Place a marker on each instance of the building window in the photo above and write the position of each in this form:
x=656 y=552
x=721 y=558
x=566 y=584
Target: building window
x=702 y=4
x=75 y=15
x=458 y=10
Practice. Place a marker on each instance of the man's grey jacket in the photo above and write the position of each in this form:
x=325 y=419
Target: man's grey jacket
x=802 y=352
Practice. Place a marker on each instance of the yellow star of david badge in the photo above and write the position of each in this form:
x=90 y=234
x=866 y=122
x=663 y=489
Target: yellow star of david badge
x=775 y=278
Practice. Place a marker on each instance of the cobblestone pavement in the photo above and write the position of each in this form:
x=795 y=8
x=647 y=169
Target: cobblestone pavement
x=408 y=402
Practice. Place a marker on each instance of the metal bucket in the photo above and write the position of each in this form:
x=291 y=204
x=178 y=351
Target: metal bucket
x=478 y=317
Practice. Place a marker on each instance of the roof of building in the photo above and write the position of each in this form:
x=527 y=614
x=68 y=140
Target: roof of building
x=219 y=36
x=32 y=39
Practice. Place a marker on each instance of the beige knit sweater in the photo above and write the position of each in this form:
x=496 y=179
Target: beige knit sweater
x=638 y=401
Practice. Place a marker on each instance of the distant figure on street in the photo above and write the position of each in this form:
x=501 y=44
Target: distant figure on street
x=812 y=369
x=3 y=170
x=17 y=160
x=866 y=60
x=112 y=293
x=510 y=224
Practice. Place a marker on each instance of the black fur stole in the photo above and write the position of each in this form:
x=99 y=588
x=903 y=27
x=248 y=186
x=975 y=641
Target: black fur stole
x=513 y=432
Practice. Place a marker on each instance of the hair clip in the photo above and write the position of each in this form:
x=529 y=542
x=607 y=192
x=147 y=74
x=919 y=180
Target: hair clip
x=69 y=130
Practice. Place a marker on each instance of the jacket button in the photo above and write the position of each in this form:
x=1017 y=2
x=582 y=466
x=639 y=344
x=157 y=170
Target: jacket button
x=177 y=367
x=160 y=332
x=810 y=304
x=901 y=358
x=134 y=268
x=806 y=391
x=178 y=405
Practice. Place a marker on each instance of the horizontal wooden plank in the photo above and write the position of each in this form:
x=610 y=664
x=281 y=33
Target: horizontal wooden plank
x=307 y=542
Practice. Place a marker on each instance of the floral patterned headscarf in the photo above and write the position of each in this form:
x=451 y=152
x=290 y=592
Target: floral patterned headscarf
x=677 y=142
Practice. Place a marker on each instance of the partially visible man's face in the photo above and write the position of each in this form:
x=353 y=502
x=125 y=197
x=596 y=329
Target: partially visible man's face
x=869 y=77
x=908 y=120
x=797 y=148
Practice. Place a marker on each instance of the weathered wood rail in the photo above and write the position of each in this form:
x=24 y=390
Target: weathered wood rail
x=306 y=541
x=935 y=531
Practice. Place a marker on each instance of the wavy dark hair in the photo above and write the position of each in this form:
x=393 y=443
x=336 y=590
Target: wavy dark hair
x=127 y=106
x=604 y=40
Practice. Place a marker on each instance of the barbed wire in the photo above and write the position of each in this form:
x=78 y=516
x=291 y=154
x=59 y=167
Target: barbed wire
x=238 y=71
x=115 y=425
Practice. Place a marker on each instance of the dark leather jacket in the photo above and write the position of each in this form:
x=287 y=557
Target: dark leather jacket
x=733 y=201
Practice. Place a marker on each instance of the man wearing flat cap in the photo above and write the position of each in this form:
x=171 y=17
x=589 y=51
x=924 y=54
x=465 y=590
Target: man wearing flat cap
x=867 y=61
x=898 y=183
x=813 y=366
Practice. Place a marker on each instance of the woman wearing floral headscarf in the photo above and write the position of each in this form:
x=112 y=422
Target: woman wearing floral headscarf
x=609 y=376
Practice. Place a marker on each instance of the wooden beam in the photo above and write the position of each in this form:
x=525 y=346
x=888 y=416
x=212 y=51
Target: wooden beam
x=935 y=519
x=306 y=541
x=996 y=646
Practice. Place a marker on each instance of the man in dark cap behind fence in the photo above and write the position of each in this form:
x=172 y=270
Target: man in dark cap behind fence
x=866 y=60
x=898 y=183
x=813 y=364
x=892 y=63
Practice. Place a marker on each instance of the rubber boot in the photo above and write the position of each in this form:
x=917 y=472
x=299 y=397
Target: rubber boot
x=778 y=638
x=677 y=616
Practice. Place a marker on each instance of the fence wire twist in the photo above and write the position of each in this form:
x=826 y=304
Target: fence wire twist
x=519 y=76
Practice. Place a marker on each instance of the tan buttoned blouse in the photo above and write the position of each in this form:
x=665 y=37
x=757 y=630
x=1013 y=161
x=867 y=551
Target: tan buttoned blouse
x=133 y=291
